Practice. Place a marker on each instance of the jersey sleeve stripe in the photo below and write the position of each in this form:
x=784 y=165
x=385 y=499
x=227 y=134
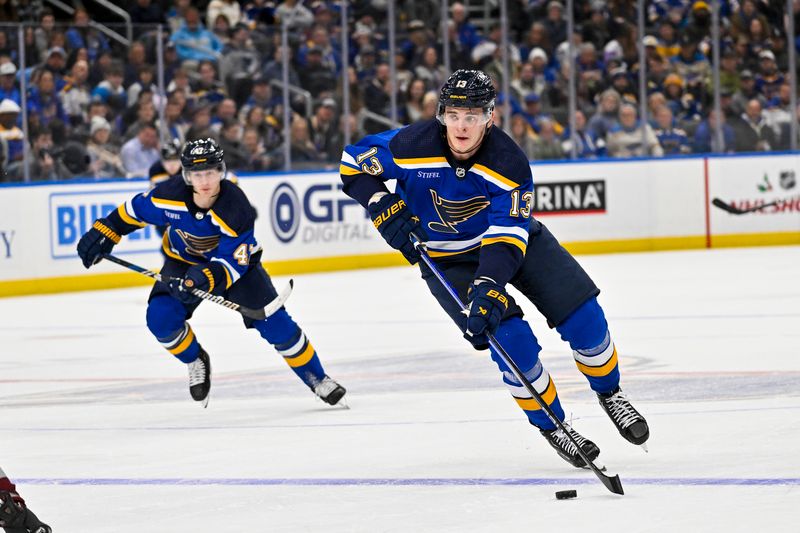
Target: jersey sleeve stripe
x=222 y=225
x=348 y=160
x=345 y=170
x=493 y=177
x=122 y=211
x=421 y=162
x=510 y=239
x=175 y=205
x=231 y=273
x=507 y=230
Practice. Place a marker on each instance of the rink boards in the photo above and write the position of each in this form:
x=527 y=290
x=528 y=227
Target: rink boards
x=307 y=224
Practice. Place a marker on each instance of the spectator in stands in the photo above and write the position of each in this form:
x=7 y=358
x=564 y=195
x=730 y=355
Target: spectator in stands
x=139 y=153
x=412 y=108
x=320 y=39
x=692 y=66
x=769 y=78
x=174 y=124
x=589 y=71
x=43 y=103
x=207 y=87
x=729 y=77
x=11 y=135
x=303 y=151
x=418 y=40
x=44 y=34
x=534 y=115
x=586 y=147
x=322 y=128
x=746 y=92
x=145 y=12
x=181 y=84
x=537 y=37
x=43 y=167
x=55 y=63
x=547 y=145
x=110 y=90
x=273 y=70
x=201 y=122
x=236 y=155
x=468 y=34
x=430 y=71
x=176 y=15
x=522 y=134
x=606 y=116
x=626 y=139
x=705 y=138
x=778 y=115
x=193 y=41
x=316 y=77
x=741 y=19
x=555 y=24
x=8 y=83
x=104 y=159
x=683 y=105
x=145 y=115
x=230 y=9
x=296 y=15
x=76 y=93
x=221 y=28
x=81 y=35
x=145 y=81
x=752 y=132
x=366 y=62
x=258 y=158
x=137 y=58
x=225 y=111
x=673 y=140
x=459 y=52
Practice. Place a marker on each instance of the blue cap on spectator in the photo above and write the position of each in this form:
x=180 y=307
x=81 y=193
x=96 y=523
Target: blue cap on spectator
x=531 y=98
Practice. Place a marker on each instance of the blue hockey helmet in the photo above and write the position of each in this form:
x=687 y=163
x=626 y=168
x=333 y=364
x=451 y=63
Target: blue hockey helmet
x=467 y=88
x=202 y=154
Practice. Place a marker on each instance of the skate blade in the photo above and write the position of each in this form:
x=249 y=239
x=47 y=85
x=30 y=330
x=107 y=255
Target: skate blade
x=644 y=447
x=600 y=466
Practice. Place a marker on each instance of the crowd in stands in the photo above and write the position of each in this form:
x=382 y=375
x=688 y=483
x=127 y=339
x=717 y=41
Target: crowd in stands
x=93 y=104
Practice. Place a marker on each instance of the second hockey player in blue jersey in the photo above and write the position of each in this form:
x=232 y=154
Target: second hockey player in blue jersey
x=466 y=189
x=209 y=245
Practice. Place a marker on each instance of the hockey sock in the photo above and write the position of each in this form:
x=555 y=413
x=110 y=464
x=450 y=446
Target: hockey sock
x=184 y=345
x=166 y=320
x=586 y=330
x=516 y=337
x=290 y=341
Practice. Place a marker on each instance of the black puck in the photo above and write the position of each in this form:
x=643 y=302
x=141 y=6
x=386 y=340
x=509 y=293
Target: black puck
x=566 y=494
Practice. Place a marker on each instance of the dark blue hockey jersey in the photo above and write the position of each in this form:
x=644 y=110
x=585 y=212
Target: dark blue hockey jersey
x=481 y=203
x=224 y=233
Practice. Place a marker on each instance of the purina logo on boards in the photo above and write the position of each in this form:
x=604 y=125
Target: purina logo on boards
x=570 y=198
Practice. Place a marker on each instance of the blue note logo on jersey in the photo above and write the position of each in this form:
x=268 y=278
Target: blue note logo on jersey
x=285 y=210
x=452 y=212
x=198 y=246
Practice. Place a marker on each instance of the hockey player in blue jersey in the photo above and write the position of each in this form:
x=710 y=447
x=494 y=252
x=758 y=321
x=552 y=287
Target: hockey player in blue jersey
x=209 y=245
x=465 y=188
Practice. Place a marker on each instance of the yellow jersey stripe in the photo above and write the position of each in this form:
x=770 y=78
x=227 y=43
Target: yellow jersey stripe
x=530 y=404
x=301 y=359
x=495 y=175
x=184 y=344
x=420 y=160
x=123 y=214
x=599 y=371
x=221 y=223
x=348 y=171
x=169 y=203
x=508 y=240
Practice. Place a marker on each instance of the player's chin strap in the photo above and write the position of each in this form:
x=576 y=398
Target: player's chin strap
x=611 y=483
x=256 y=314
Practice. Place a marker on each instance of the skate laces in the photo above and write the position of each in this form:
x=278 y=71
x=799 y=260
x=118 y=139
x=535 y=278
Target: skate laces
x=197 y=372
x=325 y=387
x=621 y=409
x=562 y=440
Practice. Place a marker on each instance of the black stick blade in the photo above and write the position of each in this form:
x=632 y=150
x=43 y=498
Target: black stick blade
x=612 y=483
x=726 y=207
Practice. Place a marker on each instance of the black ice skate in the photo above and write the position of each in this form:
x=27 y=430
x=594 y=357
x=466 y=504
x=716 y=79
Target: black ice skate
x=200 y=378
x=564 y=447
x=630 y=424
x=330 y=391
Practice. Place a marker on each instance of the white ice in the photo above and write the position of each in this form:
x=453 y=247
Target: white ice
x=98 y=429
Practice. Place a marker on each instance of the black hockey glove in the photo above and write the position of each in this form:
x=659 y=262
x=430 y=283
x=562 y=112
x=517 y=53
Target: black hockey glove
x=206 y=277
x=16 y=518
x=99 y=240
x=396 y=223
x=488 y=302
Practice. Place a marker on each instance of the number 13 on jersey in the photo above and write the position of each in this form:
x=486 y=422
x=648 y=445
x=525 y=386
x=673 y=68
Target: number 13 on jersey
x=525 y=210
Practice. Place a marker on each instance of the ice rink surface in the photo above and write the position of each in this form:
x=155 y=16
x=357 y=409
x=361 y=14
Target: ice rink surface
x=100 y=434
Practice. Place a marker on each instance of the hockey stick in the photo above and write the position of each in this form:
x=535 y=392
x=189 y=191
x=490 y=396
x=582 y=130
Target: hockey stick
x=256 y=314
x=736 y=211
x=611 y=483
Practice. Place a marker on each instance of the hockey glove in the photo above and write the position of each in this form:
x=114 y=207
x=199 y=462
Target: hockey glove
x=206 y=277
x=99 y=240
x=16 y=518
x=488 y=302
x=393 y=219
